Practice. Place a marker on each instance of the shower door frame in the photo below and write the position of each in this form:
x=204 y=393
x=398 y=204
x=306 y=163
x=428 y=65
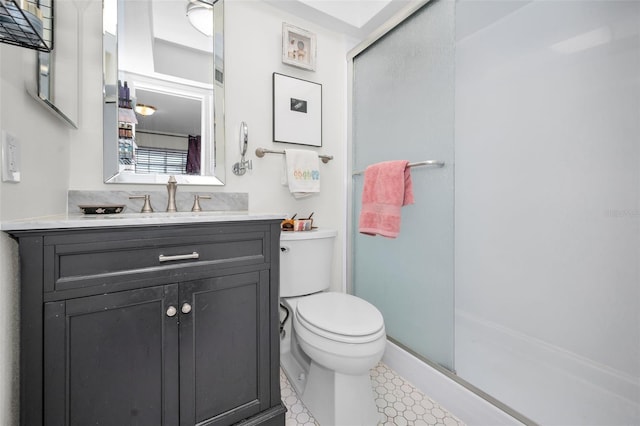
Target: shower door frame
x=383 y=30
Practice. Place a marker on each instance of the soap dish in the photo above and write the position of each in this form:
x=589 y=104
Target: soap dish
x=99 y=209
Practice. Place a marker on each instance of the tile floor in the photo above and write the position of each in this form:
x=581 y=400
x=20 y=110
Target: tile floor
x=398 y=401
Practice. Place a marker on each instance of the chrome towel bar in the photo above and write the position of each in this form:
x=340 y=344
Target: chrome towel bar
x=260 y=152
x=434 y=163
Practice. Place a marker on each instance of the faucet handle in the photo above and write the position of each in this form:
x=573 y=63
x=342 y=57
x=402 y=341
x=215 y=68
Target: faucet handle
x=146 y=208
x=196 y=202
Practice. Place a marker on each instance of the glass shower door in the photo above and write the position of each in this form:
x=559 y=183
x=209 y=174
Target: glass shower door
x=403 y=109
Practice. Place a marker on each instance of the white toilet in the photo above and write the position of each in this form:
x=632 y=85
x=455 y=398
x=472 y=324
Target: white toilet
x=329 y=341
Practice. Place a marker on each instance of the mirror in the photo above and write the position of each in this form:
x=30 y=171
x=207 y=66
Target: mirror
x=57 y=72
x=244 y=138
x=163 y=91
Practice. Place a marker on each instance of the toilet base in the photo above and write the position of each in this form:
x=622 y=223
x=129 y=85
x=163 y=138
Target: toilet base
x=296 y=374
x=336 y=399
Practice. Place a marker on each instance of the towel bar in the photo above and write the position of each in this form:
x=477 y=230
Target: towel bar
x=260 y=152
x=435 y=163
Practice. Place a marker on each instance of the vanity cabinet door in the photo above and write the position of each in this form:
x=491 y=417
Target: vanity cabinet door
x=112 y=359
x=224 y=348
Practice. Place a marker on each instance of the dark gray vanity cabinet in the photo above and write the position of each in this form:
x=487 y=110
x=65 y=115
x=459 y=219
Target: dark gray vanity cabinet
x=151 y=325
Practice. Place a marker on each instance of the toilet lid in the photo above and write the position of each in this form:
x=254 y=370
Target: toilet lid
x=341 y=314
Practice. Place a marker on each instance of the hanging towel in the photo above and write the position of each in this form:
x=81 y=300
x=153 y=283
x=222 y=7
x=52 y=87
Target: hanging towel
x=387 y=187
x=301 y=172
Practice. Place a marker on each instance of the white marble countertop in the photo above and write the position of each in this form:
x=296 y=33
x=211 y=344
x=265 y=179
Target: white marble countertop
x=74 y=220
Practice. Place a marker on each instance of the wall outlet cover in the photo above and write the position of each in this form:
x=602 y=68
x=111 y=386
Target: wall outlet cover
x=10 y=158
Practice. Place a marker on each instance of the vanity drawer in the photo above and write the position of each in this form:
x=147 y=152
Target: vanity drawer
x=117 y=257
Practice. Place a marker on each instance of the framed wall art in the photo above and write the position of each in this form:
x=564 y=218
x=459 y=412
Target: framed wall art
x=298 y=47
x=297 y=111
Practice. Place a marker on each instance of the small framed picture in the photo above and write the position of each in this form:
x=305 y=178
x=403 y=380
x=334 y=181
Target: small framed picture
x=297 y=111
x=298 y=47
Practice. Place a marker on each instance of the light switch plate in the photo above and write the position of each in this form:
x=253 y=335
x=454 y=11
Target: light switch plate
x=10 y=158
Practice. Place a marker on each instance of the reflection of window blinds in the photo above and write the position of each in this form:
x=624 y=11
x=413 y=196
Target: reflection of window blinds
x=157 y=160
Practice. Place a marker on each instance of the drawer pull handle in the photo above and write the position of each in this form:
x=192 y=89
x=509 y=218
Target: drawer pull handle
x=163 y=258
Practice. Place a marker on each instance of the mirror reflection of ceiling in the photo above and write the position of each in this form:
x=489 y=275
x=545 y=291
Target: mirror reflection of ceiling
x=163 y=121
x=157 y=39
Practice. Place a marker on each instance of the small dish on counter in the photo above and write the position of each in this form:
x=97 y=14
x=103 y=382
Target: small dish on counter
x=107 y=209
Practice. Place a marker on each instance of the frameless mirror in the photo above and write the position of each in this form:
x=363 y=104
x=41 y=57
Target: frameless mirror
x=58 y=71
x=163 y=91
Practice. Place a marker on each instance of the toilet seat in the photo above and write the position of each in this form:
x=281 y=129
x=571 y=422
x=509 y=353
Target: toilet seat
x=340 y=317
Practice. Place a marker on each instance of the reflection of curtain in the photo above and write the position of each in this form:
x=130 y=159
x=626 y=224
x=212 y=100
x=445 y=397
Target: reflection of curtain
x=193 y=155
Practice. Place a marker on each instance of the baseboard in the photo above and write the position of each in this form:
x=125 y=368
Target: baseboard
x=455 y=398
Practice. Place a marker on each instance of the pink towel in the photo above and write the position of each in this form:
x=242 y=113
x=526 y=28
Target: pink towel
x=387 y=187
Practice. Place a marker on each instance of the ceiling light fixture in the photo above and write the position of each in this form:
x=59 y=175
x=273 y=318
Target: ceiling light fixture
x=200 y=14
x=145 y=110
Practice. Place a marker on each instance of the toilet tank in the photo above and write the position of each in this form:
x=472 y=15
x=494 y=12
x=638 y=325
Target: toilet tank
x=305 y=261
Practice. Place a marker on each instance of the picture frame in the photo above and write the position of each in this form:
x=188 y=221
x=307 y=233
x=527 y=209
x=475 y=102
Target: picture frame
x=297 y=111
x=298 y=47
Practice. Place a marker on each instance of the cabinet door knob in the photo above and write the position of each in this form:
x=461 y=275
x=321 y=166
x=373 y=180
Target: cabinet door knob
x=171 y=311
x=186 y=308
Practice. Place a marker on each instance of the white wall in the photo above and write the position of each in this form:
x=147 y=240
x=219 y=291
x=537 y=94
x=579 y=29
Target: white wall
x=44 y=141
x=249 y=97
x=547 y=222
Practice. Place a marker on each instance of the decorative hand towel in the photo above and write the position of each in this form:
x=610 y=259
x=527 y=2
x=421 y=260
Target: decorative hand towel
x=301 y=172
x=387 y=187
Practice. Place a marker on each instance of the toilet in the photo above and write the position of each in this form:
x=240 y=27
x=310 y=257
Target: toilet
x=329 y=340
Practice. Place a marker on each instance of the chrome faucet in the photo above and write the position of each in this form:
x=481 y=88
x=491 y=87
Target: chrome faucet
x=172 y=185
x=146 y=208
x=196 y=202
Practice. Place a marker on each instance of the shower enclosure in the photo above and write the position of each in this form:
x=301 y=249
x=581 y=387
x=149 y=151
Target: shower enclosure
x=534 y=106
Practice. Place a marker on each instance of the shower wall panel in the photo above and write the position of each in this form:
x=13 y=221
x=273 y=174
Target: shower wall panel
x=547 y=207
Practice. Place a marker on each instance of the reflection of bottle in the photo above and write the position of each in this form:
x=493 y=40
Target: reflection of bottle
x=120 y=94
x=127 y=100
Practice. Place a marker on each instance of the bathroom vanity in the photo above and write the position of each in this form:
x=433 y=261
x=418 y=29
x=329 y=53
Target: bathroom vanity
x=144 y=322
